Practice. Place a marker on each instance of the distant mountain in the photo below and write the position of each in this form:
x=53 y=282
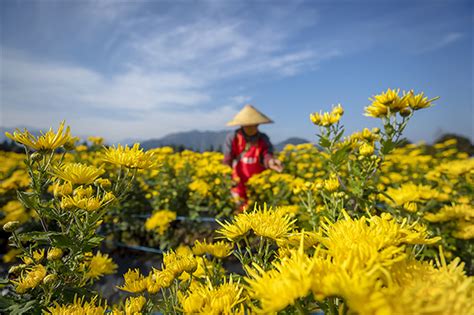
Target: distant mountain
x=204 y=141
x=194 y=140
x=293 y=140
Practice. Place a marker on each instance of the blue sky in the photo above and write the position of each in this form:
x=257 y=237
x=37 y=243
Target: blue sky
x=142 y=69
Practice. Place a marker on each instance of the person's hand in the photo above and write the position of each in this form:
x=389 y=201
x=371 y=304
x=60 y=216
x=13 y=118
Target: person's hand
x=275 y=165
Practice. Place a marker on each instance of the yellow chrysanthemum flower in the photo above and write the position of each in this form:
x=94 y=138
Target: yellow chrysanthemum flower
x=78 y=173
x=410 y=207
x=328 y=118
x=47 y=141
x=158 y=279
x=134 y=305
x=178 y=264
x=290 y=210
x=14 y=211
x=264 y=222
x=200 y=186
x=83 y=199
x=310 y=239
x=204 y=267
x=289 y=280
x=96 y=140
x=160 y=221
x=423 y=288
x=331 y=184
x=465 y=230
x=205 y=299
x=218 y=249
x=269 y=224
x=236 y=229
x=410 y=192
x=366 y=149
x=447 y=213
x=419 y=101
x=376 y=110
x=184 y=250
x=363 y=243
x=78 y=307
x=134 y=158
x=60 y=190
x=98 y=266
x=11 y=255
x=38 y=256
x=54 y=253
x=134 y=282
x=386 y=102
x=31 y=280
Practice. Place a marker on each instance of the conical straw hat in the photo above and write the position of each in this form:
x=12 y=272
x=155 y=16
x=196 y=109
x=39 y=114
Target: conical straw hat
x=249 y=115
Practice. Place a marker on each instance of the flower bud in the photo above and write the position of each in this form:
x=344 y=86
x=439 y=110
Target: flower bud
x=389 y=129
x=338 y=110
x=71 y=144
x=36 y=156
x=366 y=149
x=49 y=279
x=54 y=253
x=104 y=182
x=11 y=226
x=405 y=112
x=331 y=184
x=16 y=269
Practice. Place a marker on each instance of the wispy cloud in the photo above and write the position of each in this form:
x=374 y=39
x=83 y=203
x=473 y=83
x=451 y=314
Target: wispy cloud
x=240 y=99
x=440 y=42
x=231 y=46
x=28 y=84
x=155 y=67
x=165 y=74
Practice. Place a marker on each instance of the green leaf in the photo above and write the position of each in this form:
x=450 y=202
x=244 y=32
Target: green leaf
x=339 y=135
x=340 y=156
x=23 y=308
x=40 y=237
x=5 y=303
x=324 y=142
x=63 y=241
x=387 y=146
x=93 y=242
x=28 y=199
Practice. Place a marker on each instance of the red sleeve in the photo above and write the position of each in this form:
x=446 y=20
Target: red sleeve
x=267 y=151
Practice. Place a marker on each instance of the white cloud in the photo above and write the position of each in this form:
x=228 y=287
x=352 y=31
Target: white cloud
x=154 y=124
x=28 y=83
x=436 y=43
x=216 y=50
x=240 y=99
x=165 y=72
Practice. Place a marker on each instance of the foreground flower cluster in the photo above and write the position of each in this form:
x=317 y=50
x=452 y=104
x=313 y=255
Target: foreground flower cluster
x=364 y=266
x=360 y=224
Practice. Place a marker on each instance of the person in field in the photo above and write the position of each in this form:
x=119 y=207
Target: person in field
x=248 y=151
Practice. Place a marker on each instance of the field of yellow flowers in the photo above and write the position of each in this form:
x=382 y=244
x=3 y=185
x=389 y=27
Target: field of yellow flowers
x=358 y=224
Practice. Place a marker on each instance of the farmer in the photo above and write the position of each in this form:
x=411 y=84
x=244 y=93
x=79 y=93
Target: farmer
x=248 y=151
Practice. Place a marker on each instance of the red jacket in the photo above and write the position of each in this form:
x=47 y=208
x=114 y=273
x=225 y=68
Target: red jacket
x=247 y=155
